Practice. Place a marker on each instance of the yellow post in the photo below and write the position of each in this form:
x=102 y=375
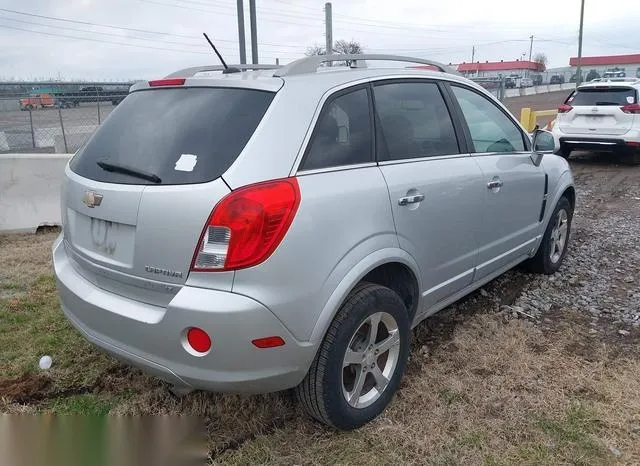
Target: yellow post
x=527 y=119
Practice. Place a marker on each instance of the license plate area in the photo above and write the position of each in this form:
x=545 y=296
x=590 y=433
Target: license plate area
x=102 y=240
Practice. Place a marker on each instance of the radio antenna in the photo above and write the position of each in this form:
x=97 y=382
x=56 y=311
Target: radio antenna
x=227 y=70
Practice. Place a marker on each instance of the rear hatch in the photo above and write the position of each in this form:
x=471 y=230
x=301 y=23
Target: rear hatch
x=598 y=111
x=138 y=194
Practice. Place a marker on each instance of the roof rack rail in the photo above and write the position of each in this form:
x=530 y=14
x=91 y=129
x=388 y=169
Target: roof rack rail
x=188 y=72
x=311 y=64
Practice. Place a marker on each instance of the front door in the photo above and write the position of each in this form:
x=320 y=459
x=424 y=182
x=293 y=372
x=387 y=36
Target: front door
x=513 y=186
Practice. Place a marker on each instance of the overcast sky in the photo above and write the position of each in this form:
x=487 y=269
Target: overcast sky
x=42 y=47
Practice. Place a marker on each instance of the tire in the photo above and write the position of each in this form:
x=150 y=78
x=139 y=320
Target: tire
x=631 y=159
x=323 y=392
x=564 y=153
x=547 y=260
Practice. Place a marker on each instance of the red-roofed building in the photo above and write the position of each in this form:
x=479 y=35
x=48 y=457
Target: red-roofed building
x=629 y=65
x=497 y=68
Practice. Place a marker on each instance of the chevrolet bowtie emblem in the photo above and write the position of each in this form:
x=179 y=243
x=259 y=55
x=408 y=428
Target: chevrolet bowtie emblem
x=92 y=199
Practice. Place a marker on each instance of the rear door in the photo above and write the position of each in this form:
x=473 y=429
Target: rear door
x=139 y=192
x=598 y=110
x=513 y=187
x=435 y=186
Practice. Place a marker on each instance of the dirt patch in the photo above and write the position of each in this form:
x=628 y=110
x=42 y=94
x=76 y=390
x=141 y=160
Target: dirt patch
x=24 y=387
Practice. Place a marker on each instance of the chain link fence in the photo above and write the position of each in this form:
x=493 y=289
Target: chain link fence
x=494 y=85
x=54 y=117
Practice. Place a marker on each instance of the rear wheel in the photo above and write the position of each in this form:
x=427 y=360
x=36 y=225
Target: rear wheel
x=361 y=360
x=555 y=241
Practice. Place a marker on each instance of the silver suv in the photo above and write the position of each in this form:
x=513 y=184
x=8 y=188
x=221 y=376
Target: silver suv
x=256 y=231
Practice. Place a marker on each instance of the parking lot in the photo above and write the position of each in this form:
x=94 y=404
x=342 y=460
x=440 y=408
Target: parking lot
x=528 y=370
x=79 y=123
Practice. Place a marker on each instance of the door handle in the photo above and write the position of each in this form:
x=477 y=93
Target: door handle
x=411 y=199
x=493 y=184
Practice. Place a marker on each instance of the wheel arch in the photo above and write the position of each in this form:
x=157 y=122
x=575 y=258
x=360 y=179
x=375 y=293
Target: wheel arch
x=379 y=267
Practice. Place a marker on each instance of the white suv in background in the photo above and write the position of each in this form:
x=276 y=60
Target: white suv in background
x=601 y=116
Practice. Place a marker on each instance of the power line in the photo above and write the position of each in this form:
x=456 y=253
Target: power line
x=144 y=31
x=124 y=44
x=99 y=33
x=212 y=9
x=123 y=37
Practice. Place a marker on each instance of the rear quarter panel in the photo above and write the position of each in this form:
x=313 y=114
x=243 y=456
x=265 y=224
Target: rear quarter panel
x=344 y=217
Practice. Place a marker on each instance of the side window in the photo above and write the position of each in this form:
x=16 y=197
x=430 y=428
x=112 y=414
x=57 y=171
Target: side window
x=414 y=121
x=343 y=133
x=491 y=130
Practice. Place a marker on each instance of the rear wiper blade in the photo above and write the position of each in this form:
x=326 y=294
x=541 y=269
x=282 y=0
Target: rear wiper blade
x=116 y=168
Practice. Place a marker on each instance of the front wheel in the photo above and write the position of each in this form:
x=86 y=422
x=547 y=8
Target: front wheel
x=564 y=153
x=555 y=241
x=361 y=361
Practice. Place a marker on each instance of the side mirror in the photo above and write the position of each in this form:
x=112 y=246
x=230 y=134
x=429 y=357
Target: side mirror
x=543 y=143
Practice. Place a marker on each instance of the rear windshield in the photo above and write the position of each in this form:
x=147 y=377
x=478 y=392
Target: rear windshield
x=174 y=136
x=603 y=96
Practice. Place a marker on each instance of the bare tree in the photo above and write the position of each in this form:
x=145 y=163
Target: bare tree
x=314 y=50
x=347 y=47
x=340 y=47
x=541 y=58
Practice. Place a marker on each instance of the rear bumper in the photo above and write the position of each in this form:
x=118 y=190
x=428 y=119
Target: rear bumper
x=151 y=337
x=604 y=144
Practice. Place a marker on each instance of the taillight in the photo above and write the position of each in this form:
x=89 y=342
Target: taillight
x=631 y=108
x=167 y=82
x=246 y=226
x=564 y=108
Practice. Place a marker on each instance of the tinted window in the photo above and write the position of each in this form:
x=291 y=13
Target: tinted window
x=181 y=135
x=414 y=122
x=343 y=133
x=608 y=96
x=491 y=130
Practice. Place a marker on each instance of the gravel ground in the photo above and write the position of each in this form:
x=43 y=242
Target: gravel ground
x=600 y=278
x=601 y=274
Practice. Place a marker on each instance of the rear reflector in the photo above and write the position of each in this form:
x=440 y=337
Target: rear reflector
x=564 y=108
x=631 y=108
x=246 y=226
x=167 y=82
x=268 y=342
x=198 y=340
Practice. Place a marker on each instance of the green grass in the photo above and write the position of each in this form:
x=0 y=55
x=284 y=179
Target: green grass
x=32 y=325
x=88 y=404
x=451 y=397
x=570 y=437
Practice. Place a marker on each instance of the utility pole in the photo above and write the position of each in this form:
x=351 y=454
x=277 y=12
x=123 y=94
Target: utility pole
x=530 y=52
x=473 y=54
x=254 y=32
x=579 y=68
x=328 y=25
x=241 y=39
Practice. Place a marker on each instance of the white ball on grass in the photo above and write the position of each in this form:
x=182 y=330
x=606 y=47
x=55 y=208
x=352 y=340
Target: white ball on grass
x=45 y=362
